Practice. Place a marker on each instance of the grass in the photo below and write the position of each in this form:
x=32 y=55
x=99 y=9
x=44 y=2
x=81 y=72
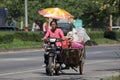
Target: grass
x=101 y=41
x=112 y=78
x=105 y=41
x=20 y=44
x=30 y=44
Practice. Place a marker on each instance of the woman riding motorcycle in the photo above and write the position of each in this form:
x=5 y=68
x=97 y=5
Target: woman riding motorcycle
x=56 y=33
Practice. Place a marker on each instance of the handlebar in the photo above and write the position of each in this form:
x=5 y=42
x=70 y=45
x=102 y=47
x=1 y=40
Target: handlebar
x=52 y=39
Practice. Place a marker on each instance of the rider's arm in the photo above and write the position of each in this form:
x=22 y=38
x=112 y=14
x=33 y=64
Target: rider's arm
x=61 y=34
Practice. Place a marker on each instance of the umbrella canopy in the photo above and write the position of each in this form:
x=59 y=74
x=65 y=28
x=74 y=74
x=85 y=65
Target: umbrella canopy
x=55 y=13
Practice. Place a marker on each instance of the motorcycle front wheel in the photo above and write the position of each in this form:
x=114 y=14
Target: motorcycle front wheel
x=50 y=66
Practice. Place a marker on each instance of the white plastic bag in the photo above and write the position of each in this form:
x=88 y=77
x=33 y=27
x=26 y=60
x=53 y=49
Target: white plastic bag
x=82 y=32
x=78 y=34
x=74 y=36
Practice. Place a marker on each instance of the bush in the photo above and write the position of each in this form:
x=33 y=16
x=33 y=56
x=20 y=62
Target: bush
x=96 y=34
x=28 y=36
x=91 y=43
x=118 y=34
x=110 y=34
x=6 y=37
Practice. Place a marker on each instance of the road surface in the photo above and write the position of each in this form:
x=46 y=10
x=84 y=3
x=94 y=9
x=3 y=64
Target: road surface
x=100 y=62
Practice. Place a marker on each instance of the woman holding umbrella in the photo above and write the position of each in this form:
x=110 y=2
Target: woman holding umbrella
x=46 y=25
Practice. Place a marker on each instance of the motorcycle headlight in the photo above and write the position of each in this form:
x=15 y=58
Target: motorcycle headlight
x=52 y=40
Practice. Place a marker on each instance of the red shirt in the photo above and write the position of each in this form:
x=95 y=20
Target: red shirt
x=57 y=34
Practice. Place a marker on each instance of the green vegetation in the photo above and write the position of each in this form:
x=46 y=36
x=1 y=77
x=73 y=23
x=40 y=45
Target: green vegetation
x=96 y=34
x=112 y=78
x=101 y=41
x=12 y=40
x=100 y=37
x=28 y=36
x=20 y=39
x=6 y=37
x=105 y=41
x=94 y=13
x=20 y=44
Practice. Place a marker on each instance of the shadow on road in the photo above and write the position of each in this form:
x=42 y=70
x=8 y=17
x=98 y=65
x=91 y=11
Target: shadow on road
x=61 y=76
x=43 y=73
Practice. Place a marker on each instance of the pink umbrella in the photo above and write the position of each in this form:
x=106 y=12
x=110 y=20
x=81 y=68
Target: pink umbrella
x=56 y=13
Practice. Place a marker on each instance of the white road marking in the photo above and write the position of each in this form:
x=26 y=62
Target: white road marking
x=99 y=52
x=88 y=63
x=21 y=51
x=5 y=74
x=20 y=59
x=15 y=59
x=33 y=58
x=100 y=61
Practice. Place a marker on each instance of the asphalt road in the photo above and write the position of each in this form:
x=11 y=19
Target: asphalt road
x=24 y=65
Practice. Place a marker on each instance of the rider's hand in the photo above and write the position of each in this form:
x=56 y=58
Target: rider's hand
x=70 y=39
x=43 y=39
x=63 y=39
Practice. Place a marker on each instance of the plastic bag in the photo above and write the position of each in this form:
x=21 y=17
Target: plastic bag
x=77 y=45
x=82 y=32
x=73 y=35
x=65 y=43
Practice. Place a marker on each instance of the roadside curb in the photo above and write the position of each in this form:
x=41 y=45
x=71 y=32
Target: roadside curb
x=25 y=50
x=103 y=45
x=38 y=49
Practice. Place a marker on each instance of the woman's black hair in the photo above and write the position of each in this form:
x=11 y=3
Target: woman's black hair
x=53 y=21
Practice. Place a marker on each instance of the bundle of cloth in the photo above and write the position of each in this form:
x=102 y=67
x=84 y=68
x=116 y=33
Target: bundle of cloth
x=77 y=37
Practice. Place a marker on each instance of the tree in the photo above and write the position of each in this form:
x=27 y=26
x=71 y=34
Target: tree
x=94 y=13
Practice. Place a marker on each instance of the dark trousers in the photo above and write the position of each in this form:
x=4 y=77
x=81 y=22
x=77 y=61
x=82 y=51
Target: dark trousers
x=59 y=57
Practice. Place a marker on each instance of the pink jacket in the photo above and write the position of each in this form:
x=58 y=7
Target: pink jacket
x=57 y=34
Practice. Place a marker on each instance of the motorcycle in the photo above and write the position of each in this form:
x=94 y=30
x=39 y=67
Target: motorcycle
x=52 y=54
x=70 y=58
